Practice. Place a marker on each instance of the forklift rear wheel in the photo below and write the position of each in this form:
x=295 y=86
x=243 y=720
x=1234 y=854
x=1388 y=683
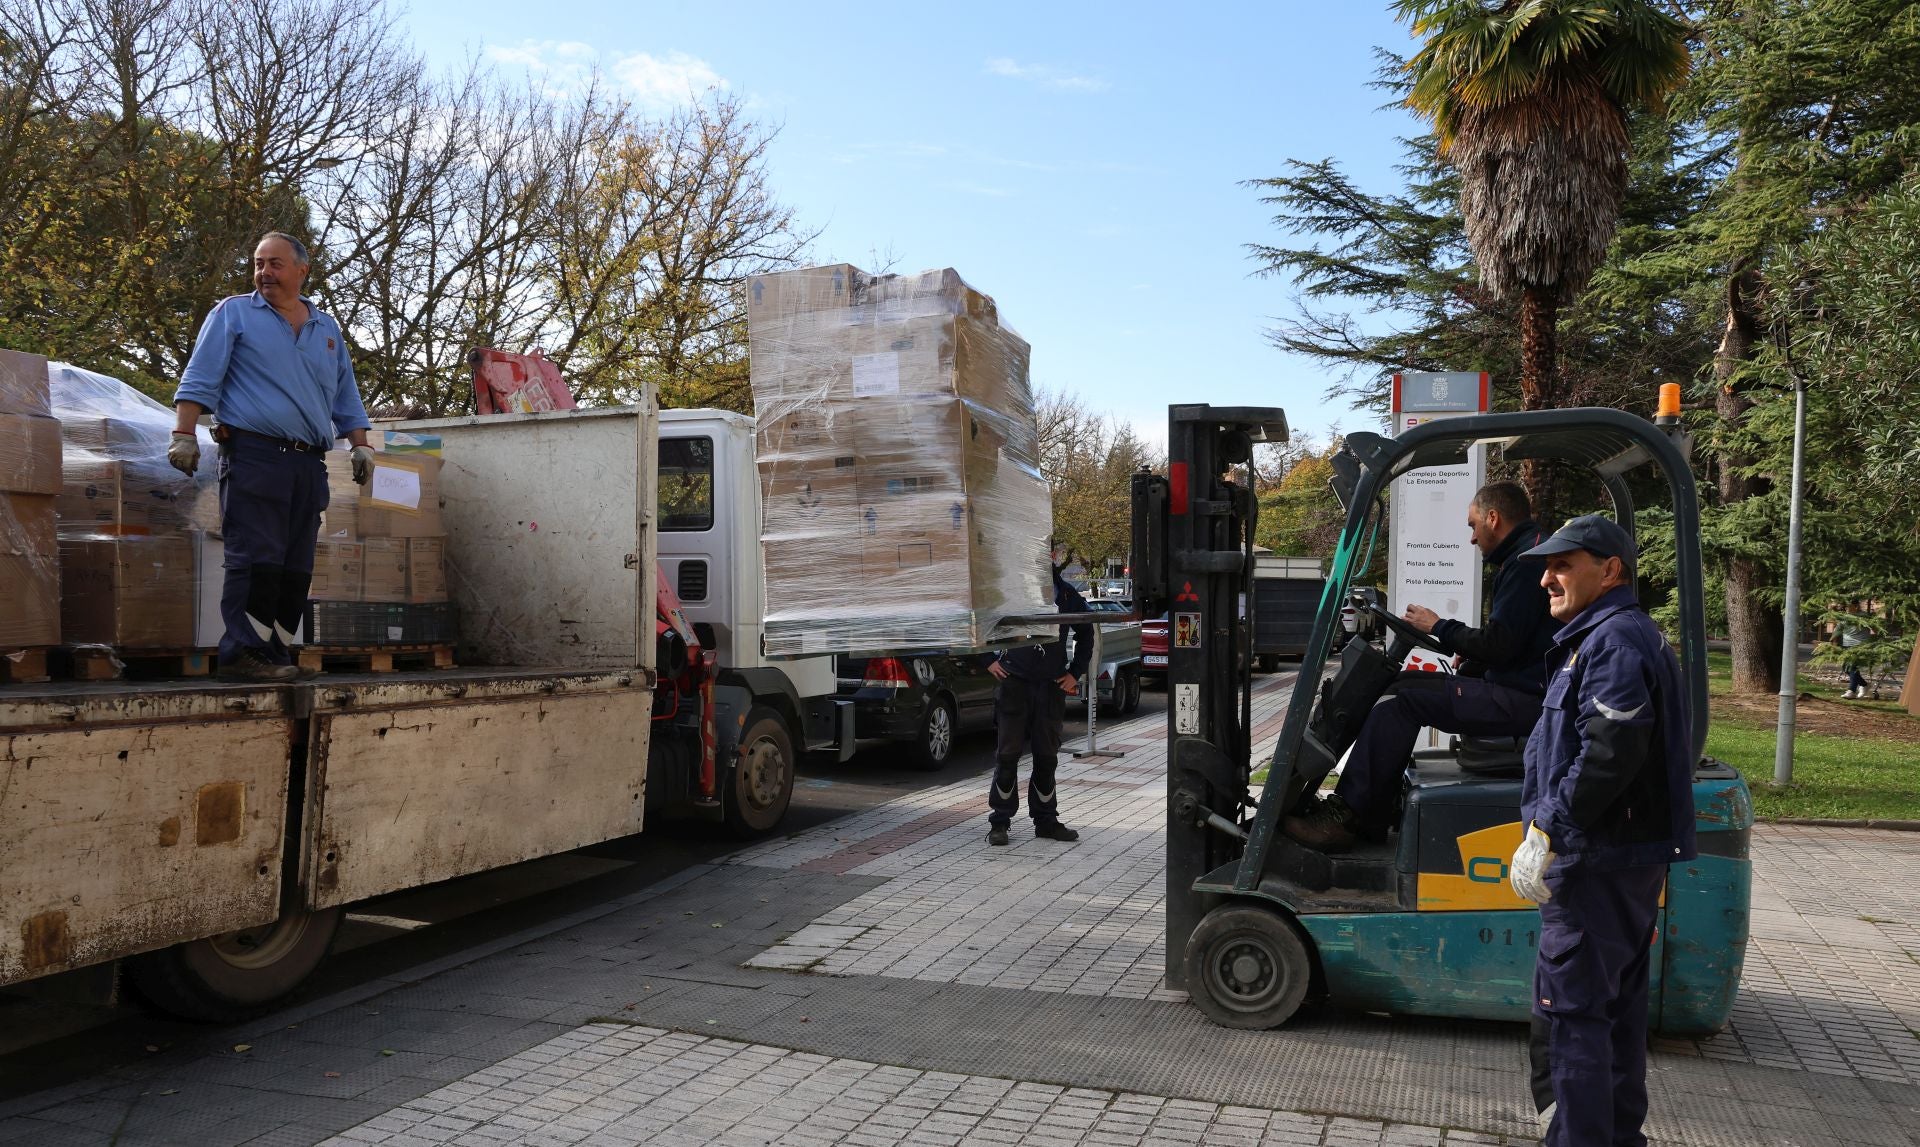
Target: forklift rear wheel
x=763 y=779
x=1247 y=967
x=237 y=974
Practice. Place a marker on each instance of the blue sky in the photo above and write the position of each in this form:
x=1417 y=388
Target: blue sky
x=1080 y=163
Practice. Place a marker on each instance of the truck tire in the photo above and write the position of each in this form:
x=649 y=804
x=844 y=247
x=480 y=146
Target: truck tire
x=762 y=780
x=1131 y=678
x=1248 y=967
x=1269 y=663
x=230 y=977
x=933 y=742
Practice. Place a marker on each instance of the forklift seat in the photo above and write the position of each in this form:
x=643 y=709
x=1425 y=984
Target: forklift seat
x=1491 y=756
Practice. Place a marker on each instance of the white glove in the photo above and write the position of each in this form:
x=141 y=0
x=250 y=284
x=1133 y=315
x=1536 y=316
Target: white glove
x=1528 y=872
x=362 y=458
x=183 y=453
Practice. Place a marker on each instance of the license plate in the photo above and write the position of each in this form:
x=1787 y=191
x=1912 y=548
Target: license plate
x=1155 y=659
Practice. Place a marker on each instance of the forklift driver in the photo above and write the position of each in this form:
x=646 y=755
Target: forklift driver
x=1495 y=693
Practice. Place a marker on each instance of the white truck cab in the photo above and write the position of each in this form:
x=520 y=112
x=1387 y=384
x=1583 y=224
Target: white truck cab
x=709 y=548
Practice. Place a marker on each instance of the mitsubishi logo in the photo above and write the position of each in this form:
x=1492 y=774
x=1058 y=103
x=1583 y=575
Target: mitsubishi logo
x=1186 y=593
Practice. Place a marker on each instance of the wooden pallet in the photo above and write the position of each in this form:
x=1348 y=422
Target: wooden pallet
x=376 y=658
x=108 y=663
x=20 y=666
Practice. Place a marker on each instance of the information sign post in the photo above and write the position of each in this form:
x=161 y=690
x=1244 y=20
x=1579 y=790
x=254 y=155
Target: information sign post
x=1434 y=563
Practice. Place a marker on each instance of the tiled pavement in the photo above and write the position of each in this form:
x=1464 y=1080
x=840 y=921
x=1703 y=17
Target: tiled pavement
x=579 y=1033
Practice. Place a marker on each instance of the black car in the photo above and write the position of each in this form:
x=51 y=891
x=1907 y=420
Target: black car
x=924 y=700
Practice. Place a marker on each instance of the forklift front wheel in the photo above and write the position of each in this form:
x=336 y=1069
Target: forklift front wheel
x=1247 y=967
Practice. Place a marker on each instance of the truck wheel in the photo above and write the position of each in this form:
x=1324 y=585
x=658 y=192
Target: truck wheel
x=1132 y=704
x=933 y=744
x=230 y=977
x=763 y=779
x=1269 y=663
x=1247 y=967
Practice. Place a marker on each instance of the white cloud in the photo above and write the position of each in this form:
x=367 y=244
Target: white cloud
x=566 y=67
x=1045 y=76
x=663 y=81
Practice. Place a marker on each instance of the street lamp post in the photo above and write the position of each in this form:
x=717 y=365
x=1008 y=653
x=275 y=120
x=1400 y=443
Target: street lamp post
x=1790 y=645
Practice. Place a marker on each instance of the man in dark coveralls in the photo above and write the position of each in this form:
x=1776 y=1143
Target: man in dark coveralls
x=1029 y=707
x=1495 y=693
x=273 y=369
x=1608 y=805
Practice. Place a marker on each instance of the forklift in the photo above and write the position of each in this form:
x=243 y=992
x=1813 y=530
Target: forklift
x=1424 y=923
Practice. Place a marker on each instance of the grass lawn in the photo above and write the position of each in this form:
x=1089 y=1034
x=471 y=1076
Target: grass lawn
x=1851 y=759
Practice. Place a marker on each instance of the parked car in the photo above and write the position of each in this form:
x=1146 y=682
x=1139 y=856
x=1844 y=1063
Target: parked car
x=1153 y=649
x=922 y=701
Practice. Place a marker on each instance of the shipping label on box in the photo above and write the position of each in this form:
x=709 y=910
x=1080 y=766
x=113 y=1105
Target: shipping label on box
x=385 y=570
x=426 y=570
x=402 y=499
x=29 y=454
x=339 y=569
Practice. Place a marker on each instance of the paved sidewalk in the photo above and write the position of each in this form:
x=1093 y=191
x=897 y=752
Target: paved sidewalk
x=891 y=979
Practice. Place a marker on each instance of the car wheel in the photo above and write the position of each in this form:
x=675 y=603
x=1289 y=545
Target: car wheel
x=933 y=744
x=762 y=785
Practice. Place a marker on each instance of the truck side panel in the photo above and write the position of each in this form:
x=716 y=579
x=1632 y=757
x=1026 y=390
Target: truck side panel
x=122 y=838
x=416 y=794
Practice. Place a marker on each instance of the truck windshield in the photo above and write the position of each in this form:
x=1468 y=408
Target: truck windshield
x=686 y=483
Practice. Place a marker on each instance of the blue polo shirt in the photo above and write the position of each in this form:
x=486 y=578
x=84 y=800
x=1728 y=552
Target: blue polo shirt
x=255 y=372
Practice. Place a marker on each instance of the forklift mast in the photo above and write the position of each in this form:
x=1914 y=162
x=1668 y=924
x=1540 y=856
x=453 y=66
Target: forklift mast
x=1193 y=559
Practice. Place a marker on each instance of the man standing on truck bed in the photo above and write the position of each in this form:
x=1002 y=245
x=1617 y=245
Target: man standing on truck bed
x=273 y=369
x=1029 y=708
x=1495 y=693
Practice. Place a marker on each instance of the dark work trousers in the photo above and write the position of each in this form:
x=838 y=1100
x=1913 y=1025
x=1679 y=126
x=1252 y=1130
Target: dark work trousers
x=1466 y=705
x=1590 y=985
x=1027 y=715
x=270 y=503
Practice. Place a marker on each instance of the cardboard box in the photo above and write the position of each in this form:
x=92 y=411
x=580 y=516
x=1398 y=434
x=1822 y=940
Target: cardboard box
x=118 y=499
x=802 y=291
x=29 y=572
x=131 y=593
x=29 y=454
x=210 y=579
x=23 y=384
x=339 y=571
x=426 y=570
x=385 y=569
x=403 y=498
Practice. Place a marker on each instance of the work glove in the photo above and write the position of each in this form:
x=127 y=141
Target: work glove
x=1528 y=872
x=183 y=453
x=362 y=458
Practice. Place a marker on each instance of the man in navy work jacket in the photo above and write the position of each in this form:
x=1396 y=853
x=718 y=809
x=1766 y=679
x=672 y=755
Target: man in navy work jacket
x=1608 y=804
x=1029 y=707
x=274 y=371
x=1495 y=693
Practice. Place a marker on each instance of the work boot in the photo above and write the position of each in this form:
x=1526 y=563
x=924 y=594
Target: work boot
x=1054 y=831
x=253 y=665
x=1329 y=826
x=997 y=834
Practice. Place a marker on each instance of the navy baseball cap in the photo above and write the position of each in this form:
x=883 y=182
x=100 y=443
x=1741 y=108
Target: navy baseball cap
x=1601 y=537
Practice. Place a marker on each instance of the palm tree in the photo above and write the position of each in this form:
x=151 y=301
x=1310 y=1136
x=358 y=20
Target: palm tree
x=1529 y=100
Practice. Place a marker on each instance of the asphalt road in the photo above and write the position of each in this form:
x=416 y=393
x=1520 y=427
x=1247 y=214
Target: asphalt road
x=44 y=1044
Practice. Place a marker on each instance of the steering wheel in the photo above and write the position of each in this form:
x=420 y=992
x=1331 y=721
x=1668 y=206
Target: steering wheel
x=1404 y=630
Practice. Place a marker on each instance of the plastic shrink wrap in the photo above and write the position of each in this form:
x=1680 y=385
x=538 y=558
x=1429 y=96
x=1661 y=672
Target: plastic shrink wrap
x=902 y=504
x=130 y=525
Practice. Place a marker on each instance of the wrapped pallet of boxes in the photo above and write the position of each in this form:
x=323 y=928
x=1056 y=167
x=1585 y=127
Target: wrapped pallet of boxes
x=384 y=548
x=29 y=486
x=901 y=494
x=130 y=526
